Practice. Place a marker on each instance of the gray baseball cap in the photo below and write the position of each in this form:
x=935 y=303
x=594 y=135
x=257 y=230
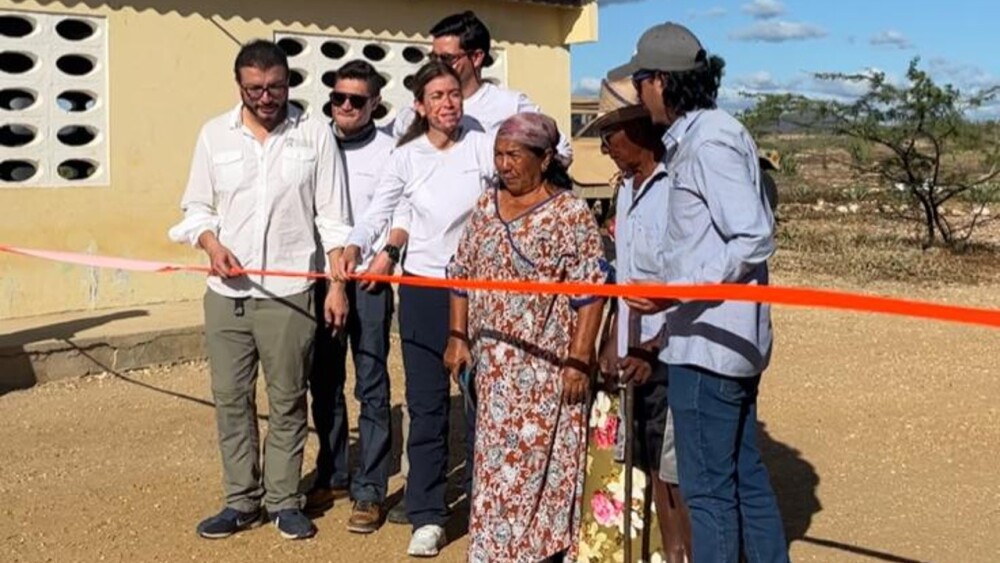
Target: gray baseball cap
x=667 y=47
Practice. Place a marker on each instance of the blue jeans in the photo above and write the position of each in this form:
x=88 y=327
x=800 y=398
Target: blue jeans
x=722 y=476
x=368 y=326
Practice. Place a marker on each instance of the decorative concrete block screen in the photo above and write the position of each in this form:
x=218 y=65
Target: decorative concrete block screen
x=53 y=100
x=314 y=58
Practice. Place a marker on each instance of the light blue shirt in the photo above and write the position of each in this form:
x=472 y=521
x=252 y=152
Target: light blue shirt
x=640 y=227
x=719 y=229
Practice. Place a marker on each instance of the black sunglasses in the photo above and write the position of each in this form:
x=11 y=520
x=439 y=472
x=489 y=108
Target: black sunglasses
x=357 y=102
x=640 y=76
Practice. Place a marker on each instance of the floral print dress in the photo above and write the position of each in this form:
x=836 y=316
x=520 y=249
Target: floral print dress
x=530 y=446
x=602 y=527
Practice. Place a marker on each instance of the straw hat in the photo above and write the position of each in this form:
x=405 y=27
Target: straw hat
x=770 y=159
x=618 y=102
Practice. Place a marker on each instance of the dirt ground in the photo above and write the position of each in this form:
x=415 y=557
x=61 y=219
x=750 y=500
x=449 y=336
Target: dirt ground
x=880 y=434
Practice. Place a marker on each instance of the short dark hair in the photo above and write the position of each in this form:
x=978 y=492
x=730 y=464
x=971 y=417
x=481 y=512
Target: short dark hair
x=472 y=33
x=361 y=70
x=696 y=89
x=260 y=53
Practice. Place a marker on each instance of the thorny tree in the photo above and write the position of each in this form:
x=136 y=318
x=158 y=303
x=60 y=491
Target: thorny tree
x=925 y=144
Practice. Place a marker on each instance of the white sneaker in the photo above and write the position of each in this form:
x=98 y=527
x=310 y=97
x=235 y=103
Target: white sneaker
x=426 y=541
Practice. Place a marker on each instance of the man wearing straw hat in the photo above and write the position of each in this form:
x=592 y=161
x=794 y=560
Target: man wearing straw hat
x=718 y=228
x=632 y=141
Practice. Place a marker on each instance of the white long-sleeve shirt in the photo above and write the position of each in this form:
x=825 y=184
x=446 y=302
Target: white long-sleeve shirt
x=490 y=105
x=429 y=193
x=640 y=220
x=277 y=205
x=364 y=162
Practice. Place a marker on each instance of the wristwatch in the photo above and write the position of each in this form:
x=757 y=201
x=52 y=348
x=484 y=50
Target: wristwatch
x=393 y=252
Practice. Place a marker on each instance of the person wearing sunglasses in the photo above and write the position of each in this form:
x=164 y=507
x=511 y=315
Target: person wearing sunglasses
x=633 y=142
x=462 y=41
x=365 y=310
x=718 y=228
x=265 y=178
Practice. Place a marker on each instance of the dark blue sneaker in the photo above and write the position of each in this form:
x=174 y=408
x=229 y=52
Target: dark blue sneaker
x=293 y=524
x=227 y=523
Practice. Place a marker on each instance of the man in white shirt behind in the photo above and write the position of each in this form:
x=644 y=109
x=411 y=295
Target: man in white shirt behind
x=462 y=41
x=368 y=307
x=266 y=192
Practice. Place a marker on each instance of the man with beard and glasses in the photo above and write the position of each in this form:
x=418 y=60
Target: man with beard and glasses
x=367 y=308
x=265 y=193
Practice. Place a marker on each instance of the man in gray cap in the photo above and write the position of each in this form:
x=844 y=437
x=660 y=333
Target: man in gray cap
x=719 y=228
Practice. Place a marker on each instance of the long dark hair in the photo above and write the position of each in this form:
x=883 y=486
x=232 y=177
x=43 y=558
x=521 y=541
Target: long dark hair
x=427 y=73
x=696 y=89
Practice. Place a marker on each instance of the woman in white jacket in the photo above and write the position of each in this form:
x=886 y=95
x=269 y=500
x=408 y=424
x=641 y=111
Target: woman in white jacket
x=431 y=184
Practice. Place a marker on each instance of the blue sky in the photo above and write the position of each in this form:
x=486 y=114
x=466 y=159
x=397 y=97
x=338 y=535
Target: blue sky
x=775 y=45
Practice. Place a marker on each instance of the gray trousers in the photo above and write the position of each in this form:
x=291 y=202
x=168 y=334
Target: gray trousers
x=278 y=335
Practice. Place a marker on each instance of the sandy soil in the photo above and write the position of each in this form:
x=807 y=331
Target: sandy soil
x=880 y=434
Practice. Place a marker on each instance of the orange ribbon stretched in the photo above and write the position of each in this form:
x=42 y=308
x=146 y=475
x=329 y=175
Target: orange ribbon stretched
x=796 y=296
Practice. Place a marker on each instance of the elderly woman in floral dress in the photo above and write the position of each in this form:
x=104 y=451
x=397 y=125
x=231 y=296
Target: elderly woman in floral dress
x=531 y=354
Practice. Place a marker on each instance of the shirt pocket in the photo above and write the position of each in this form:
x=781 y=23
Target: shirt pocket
x=297 y=165
x=647 y=246
x=228 y=169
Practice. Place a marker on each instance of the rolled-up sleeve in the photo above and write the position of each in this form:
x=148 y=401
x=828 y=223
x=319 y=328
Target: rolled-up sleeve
x=333 y=212
x=725 y=178
x=383 y=205
x=198 y=202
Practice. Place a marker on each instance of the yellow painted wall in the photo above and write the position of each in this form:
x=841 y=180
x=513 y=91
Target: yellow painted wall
x=169 y=70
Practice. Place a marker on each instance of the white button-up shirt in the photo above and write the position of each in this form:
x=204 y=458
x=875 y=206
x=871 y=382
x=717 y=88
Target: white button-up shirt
x=277 y=205
x=640 y=229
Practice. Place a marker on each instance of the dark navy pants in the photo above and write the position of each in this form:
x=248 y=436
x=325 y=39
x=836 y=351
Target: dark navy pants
x=368 y=335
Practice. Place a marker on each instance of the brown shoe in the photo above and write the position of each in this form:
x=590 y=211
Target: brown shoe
x=320 y=499
x=366 y=517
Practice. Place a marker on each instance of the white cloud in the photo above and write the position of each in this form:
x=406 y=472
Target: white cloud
x=774 y=31
x=587 y=86
x=964 y=76
x=891 y=38
x=764 y=9
x=804 y=84
x=733 y=100
x=711 y=13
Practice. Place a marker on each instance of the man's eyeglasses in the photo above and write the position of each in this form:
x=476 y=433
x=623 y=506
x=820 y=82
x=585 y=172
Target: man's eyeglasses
x=257 y=92
x=606 y=135
x=357 y=102
x=641 y=76
x=448 y=58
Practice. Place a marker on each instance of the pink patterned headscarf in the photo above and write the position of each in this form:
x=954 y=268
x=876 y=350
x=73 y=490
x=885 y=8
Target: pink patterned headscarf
x=534 y=130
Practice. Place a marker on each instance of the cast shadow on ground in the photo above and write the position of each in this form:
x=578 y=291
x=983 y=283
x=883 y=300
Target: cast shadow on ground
x=458 y=523
x=16 y=369
x=795 y=483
